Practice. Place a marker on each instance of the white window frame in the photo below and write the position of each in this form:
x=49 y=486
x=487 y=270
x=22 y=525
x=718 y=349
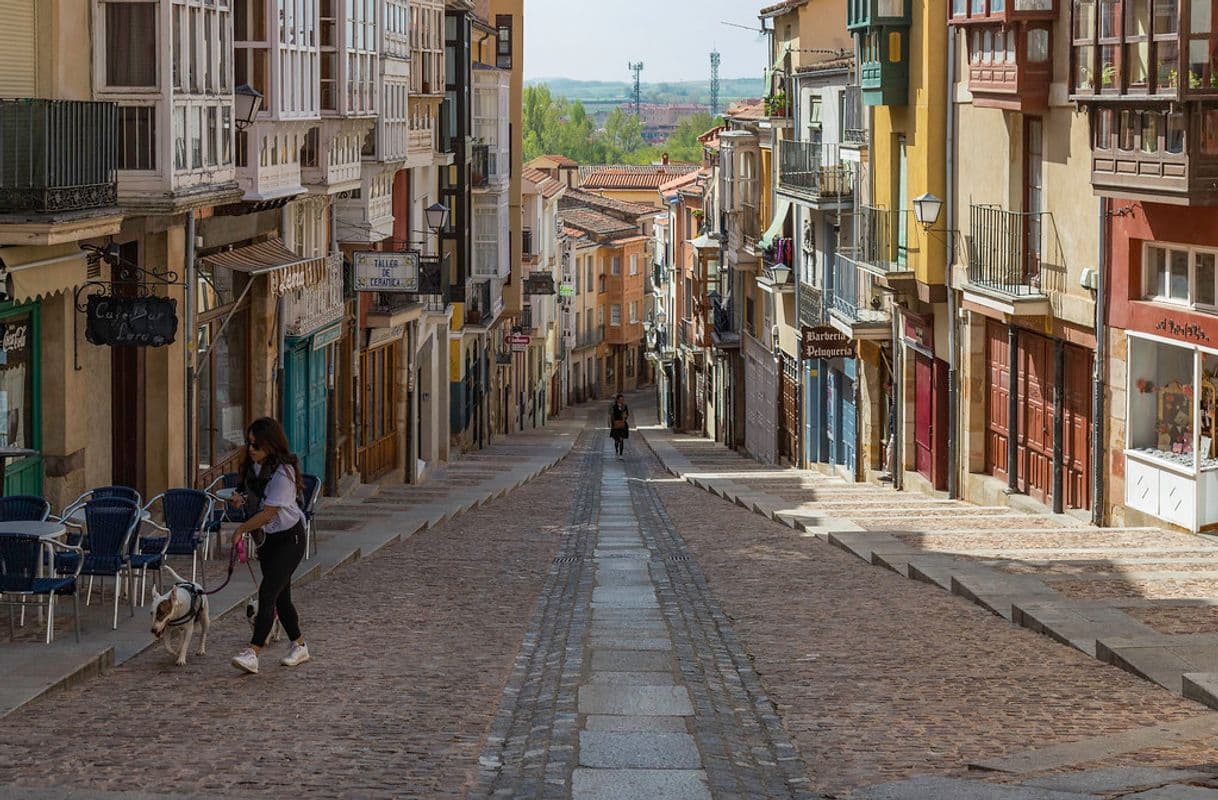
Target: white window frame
x=634 y=265
x=615 y=315
x=1151 y=292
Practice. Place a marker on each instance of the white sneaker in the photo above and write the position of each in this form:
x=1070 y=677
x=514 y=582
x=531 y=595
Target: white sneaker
x=298 y=654
x=246 y=660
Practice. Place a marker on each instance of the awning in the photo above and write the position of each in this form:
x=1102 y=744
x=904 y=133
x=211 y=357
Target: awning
x=705 y=242
x=35 y=272
x=780 y=219
x=288 y=271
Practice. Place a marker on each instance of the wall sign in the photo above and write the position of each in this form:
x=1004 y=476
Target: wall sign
x=539 y=284
x=823 y=341
x=1183 y=330
x=387 y=272
x=131 y=321
x=566 y=290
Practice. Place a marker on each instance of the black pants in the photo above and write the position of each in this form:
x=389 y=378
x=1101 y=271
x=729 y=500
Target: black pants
x=619 y=440
x=279 y=556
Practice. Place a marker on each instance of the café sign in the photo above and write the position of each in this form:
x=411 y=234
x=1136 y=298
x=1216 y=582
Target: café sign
x=387 y=272
x=131 y=321
x=539 y=284
x=823 y=341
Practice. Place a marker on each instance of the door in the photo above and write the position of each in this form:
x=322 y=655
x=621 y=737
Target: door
x=305 y=401
x=832 y=409
x=1033 y=198
x=788 y=438
x=849 y=417
x=998 y=396
x=379 y=435
x=1076 y=427
x=1035 y=403
x=924 y=419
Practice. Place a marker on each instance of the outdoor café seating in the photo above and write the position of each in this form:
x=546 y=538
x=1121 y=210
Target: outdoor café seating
x=110 y=523
x=184 y=518
x=21 y=578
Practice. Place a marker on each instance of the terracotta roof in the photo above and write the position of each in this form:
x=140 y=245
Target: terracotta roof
x=679 y=183
x=831 y=63
x=561 y=161
x=594 y=222
x=633 y=178
x=778 y=9
x=622 y=209
x=547 y=186
x=747 y=109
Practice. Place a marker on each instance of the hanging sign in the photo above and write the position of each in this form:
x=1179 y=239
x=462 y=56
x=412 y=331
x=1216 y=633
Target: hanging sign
x=131 y=321
x=539 y=284
x=566 y=290
x=386 y=272
x=823 y=341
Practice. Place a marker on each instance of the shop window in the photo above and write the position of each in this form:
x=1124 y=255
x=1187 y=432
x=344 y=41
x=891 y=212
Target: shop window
x=1180 y=275
x=17 y=382
x=1161 y=416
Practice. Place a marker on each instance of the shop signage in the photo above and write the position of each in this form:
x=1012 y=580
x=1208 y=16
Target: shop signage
x=566 y=290
x=539 y=284
x=1183 y=330
x=824 y=342
x=327 y=337
x=387 y=272
x=131 y=321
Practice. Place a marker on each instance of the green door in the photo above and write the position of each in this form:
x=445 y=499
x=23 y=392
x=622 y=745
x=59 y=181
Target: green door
x=304 y=400
x=21 y=395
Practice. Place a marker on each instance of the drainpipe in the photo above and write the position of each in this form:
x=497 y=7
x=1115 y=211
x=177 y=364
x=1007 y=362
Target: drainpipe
x=953 y=344
x=190 y=340
x=281 y=333
x=1097 y=369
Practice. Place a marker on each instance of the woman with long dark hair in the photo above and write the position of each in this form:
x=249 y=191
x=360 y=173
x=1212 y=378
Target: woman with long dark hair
x=271 y=474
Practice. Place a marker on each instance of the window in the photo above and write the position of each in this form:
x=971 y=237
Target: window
x=18 y=370
x=137 y=137
x=634 y=265
x=1179 y=274
x=616 y=268
x=131 y=36
x=590 y=269
x=503 y=41
x=634 y=312
x=600 y=316
x=1038 y=45
x=615 y=315
x=602 y=284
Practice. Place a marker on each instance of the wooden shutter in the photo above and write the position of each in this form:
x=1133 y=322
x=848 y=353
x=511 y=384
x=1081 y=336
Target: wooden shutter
x=18 y=65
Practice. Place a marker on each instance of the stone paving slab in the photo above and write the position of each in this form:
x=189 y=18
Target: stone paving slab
x=941 y=788
x=1176 y=792
x=1118 y=779
x=665 y=701
x=627 y=722
x=637 y=750
x=637 y=784
x=631 y=678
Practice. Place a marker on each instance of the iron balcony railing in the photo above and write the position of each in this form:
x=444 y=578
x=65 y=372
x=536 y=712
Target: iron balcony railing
x=57 y=155
x=435 y=282
x=478 y=309
x=750 y=223
x=853 y=295
x=814 y=169
x=1005 y=249
x=525 y=323
x=879 y=240
x=854 y=117
x=480 y=166
x=590 y=338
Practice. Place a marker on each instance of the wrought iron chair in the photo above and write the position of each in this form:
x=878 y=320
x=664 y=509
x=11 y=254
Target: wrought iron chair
x=24 y=508
x=311 y=485
x=185 y=514
x=110 y=526
x=72 y=517
x=20 y=557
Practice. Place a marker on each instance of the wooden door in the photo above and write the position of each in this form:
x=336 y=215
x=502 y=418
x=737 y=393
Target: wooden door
x=939 y=396
x=379 y=435
x=1035 y=402
x=849 y=423
x=998 y=399
x=924 y=417
x=1076 y=427
x=790 y=411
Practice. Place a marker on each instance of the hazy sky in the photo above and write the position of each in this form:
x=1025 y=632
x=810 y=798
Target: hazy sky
x=595 y=39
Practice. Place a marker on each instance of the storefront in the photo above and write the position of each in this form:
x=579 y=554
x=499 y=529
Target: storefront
x=841 y=414
x=378 y=426
x=20 y=395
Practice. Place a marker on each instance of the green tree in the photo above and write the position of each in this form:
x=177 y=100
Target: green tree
x=623 y=134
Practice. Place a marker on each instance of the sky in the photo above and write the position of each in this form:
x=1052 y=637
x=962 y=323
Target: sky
x=596 y=39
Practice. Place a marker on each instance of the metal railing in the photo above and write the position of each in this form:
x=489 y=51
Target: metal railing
x=814 y=169
x=853 y=294
x=750 y=224
x=854 y=118
x=880 y=237
x=58 y=155
x=435 y=282
x=590 y=338
x=525 y=322
x=480 y=166
x=1005 y=249
x=478 y=309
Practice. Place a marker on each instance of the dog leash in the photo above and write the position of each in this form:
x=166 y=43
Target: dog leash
x=237 y=552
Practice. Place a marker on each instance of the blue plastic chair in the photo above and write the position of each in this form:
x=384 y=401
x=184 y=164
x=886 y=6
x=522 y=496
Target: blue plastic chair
x=311 y=484
x=185 y=514
x=110 y=526
x=99 y=493
x=24 y=508
x=20 y=555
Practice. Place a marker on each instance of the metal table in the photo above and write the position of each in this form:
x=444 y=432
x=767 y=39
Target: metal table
x=46 y=531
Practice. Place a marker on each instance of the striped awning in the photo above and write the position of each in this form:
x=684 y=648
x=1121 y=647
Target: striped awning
x=286 y=270
x=38 y=272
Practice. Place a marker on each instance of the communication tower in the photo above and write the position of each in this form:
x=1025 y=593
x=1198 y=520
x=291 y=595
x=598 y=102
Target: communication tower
x=637 y=69
x=714 y=84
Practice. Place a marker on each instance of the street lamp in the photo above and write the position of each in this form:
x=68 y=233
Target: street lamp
x=247 y=102
x=926 y=209
x=781 y=274
x=437 y=217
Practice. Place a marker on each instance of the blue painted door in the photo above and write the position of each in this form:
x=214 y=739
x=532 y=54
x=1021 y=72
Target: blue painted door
x=832 y=415
x=304 y=399
x=849 y=417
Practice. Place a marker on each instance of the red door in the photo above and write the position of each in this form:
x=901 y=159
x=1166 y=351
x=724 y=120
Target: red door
x=998 y=397
x=924 y=416
x=1076 y=427
x=1035 y=383
x=939 y=429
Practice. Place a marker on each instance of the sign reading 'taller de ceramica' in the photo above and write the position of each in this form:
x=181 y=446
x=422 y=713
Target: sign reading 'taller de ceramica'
x=387 y=272
x=824 y=342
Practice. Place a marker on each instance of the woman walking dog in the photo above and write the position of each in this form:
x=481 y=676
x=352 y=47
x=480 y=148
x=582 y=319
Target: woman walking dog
x=272 y=475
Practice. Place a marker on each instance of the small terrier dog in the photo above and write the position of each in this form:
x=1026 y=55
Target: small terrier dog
x=183 y=605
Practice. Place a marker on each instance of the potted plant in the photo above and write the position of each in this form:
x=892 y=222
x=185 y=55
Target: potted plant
x=776 y=104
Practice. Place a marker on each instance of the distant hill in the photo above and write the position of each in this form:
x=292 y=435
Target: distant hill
x=596 y=92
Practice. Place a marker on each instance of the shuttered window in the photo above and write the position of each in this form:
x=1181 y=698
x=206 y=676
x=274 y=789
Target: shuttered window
x=131 y=36
x=18 y=66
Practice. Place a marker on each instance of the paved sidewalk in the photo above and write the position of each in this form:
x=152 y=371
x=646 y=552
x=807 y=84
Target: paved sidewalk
x=348 y=529
x=1143 y=599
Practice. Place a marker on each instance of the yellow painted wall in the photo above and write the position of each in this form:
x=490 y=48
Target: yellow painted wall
x=923 y=125
x=648 y=197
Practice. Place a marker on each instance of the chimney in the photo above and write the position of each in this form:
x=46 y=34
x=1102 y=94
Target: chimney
x=664 y=159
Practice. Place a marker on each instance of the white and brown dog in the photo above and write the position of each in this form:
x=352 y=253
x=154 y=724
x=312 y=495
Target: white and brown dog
x=183 y=606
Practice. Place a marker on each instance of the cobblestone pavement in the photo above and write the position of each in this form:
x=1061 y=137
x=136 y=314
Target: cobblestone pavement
x=411 y=651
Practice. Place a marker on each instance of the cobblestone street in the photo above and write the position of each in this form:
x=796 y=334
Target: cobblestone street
x=609 y=631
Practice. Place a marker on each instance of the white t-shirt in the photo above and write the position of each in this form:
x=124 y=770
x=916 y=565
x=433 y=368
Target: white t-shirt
x=281 y=494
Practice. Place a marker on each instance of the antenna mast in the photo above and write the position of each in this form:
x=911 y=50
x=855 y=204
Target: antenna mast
x=714 y=83
x=637 y=69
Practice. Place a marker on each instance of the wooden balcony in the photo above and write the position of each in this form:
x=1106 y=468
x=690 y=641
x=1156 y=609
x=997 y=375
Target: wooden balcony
x=1010 y=67
x=1155 y=153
